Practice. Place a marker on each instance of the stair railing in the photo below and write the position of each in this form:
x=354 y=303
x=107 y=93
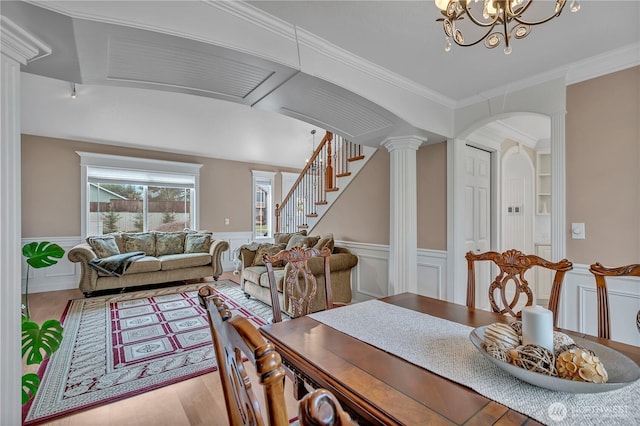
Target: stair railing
x=329 y=161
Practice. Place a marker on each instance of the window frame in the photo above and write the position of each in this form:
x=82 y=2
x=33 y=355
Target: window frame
x=124 y=163
x=259 y=176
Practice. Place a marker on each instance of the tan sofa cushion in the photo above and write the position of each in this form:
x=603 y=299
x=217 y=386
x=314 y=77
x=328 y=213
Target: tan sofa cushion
x=252 y=273
x=278 y=274
x=146 y=264
x=184 y=260
x=169 y=243
x=140 y=241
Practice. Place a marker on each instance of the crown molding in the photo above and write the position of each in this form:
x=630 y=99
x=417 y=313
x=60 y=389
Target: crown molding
x=20 y=45
x=595 y=66
x=256 y=17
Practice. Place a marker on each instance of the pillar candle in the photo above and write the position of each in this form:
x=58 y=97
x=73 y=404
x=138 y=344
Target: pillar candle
x=537 y=326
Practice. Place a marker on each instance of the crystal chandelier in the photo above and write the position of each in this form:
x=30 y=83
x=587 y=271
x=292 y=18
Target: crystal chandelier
x=502 y=19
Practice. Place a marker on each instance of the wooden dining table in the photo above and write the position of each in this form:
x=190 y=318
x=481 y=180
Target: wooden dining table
x=376 y=387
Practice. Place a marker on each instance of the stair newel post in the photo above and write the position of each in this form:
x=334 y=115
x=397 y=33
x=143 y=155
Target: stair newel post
x=329 y=169
x=277 y=218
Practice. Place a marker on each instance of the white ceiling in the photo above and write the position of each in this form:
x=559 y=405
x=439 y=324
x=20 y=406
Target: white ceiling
x=404 y=37
x=160 y=91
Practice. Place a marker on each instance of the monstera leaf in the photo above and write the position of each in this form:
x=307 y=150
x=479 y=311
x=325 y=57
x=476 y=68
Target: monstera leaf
x=42 y=254
x=38 y=342
x=30 y=383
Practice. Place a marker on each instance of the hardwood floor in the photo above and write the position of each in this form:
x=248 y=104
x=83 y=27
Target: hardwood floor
x=197 y=401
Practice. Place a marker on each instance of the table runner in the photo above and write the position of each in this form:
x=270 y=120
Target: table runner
x=443 y=347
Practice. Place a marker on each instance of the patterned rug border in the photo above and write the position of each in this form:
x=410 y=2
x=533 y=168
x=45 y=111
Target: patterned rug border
x=233 y=296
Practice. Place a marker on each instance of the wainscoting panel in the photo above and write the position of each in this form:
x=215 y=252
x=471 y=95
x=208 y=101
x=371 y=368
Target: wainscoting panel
x=370 y=277
x=63 y=275
x=235 y=239
x=579 y=306
x=432 y=277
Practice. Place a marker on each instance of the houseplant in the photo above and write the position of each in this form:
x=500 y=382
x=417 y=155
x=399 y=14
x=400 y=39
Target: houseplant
x=38 y=341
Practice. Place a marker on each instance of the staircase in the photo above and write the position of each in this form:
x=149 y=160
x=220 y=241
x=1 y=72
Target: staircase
x=334 y=163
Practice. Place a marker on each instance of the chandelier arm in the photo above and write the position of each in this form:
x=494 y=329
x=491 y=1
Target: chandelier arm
x=523 y=22
x=517 y=17
x=477 y=22
x=523 y=9
x=477 y=41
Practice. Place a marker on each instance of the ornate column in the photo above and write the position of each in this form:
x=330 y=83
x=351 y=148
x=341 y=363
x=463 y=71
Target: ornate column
x=558 y=187
x=403 y=222
x=18 y=47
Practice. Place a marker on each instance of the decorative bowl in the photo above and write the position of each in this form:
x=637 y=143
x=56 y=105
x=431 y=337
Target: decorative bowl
x=621 y=369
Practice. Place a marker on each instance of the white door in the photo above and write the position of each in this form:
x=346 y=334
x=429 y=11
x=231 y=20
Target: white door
x=478 y=216
x=517 y=202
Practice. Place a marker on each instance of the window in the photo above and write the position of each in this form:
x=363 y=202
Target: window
x=137 y=195
x=262 y=204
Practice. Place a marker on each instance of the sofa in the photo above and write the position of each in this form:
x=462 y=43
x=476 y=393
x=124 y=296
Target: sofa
x=254 y=279
x=129 y=259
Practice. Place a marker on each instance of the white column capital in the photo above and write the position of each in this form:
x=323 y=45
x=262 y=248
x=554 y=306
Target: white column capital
x=403 y=142
x=20 y=45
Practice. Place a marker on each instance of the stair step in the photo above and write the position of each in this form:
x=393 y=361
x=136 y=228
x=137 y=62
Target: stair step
x=303 y=226
x=343 y=174
x=318 y=203
x=334 y=189
x=311 y=215
x=359 y=157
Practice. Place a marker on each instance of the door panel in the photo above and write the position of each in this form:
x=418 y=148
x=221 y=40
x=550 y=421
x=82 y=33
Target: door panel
x=478 y=216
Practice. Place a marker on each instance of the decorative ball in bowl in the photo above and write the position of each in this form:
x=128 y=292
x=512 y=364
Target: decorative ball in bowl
x=575 y=365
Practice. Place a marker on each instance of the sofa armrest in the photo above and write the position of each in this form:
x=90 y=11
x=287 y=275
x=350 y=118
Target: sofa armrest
x=337 y=262
x=83 y=253
x=216 y=249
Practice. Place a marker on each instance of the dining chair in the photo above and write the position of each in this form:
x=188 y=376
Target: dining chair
x=600 y=272
x=236 y=339
x=301 y=285
x=513 y=265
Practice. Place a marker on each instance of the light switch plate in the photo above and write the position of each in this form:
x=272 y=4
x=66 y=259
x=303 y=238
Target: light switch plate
x=577 y=231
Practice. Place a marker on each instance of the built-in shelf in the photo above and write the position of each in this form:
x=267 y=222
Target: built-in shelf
x=543 y=183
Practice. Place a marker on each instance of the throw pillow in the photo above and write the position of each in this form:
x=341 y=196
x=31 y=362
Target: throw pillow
x=310 y=242
x=169 y=243
x=267 y=249
x=197 y=242
x=325 y=241
x=283 y=238
x=103 y=245
x=296 y=240
x=140 y=241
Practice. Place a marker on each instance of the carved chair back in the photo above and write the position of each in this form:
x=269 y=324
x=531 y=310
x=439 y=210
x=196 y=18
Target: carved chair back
x=512 y=265
x=600 y=272
x=235 y=338
x=301 y=285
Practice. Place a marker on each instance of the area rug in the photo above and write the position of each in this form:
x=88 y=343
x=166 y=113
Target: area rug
x=122 y=345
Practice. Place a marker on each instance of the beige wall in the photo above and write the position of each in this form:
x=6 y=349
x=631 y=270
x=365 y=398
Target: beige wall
x=603 y=168
x=362 y=210
x=51 y=186
x=431 y=164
